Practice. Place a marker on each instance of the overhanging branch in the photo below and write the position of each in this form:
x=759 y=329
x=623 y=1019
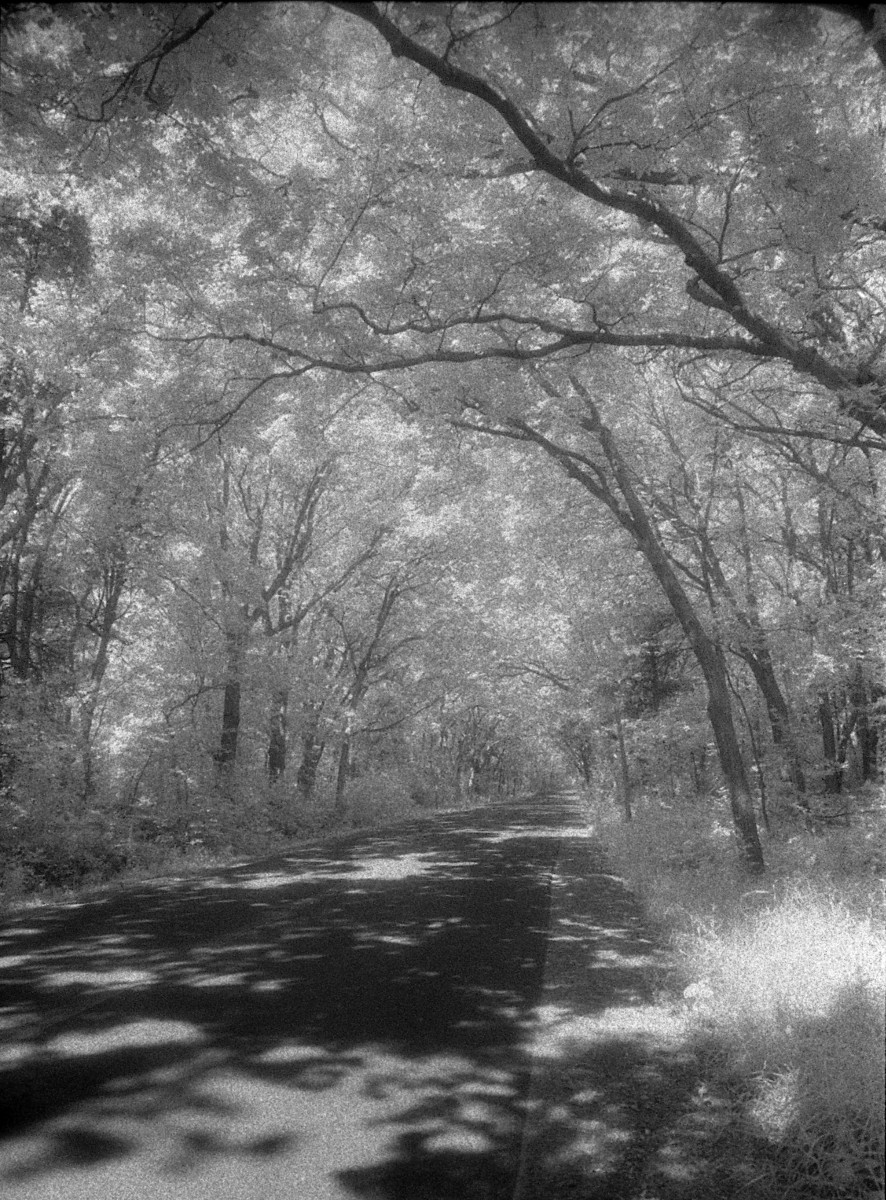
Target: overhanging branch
x=849 y=385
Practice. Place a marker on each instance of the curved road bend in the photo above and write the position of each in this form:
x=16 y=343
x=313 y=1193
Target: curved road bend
x=349 y=1021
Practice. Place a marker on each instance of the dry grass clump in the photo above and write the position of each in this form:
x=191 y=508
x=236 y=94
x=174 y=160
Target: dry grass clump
x=786 y=984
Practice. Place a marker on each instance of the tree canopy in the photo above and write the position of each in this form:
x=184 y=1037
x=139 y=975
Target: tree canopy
x=403 y=398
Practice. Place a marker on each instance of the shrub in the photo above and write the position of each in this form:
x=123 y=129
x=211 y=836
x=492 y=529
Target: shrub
x=379 y=796
x=65 y=858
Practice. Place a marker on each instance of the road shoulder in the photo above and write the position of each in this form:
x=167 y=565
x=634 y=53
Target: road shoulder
x=618 y=1105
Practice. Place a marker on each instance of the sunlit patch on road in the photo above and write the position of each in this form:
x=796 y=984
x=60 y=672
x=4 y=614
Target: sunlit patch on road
x=561 y=1031
x=389 y=939
x=112 y=979
x=125 y=1037
x=249 y=1129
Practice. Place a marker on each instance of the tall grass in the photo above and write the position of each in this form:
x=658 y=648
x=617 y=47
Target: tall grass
x=785 y=982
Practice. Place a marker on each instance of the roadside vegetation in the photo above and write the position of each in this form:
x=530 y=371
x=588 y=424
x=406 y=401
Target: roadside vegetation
x=783 y=977
x=48 y=863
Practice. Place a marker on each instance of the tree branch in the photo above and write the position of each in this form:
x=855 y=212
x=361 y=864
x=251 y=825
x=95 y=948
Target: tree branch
x=156 y=56
x=848 y=385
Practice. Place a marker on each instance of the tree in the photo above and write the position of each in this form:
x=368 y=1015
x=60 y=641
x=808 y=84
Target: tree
x=369 y=657
x=613 y=486
x=642 y=246
x=586 y=161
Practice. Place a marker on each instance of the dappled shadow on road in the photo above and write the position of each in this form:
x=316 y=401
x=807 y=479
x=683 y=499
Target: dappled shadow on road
x=619 y=1106
x=354 y=1019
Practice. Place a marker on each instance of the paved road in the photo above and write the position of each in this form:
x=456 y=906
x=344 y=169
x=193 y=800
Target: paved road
x=350 y=1020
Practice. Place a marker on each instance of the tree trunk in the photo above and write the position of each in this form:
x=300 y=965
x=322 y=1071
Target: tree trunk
x=19 y=652
x=626 y=794
x=230 y=728
x=635 y=520
x=278 y=736
x=699 y=763
x=586 y=760
x=226 y=755
x=312 y=752
x=865 y=732
x=114 y=582
x=758 y=657
x=341 y=779
x=25 y=633
x=708 y=653
x=761 y=667
x=833 y=775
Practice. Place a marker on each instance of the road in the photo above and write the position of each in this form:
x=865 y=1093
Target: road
x=347 y=1020
x=392 y=1015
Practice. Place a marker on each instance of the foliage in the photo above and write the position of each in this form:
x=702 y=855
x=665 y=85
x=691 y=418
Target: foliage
x=455 y=393
x=785 y=983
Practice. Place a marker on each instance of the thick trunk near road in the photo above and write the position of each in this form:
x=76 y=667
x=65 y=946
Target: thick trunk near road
x=741 y=800
x=306 y=780
x=622 y=499
x=312 y=752
x=341 y=779
x=25 y=634
x=226 y=754
x=230 y=728
x=626 y=796
x=708 y=654
x=865 y=732
x=278 y=736
x=21 y=614
x=833 y=776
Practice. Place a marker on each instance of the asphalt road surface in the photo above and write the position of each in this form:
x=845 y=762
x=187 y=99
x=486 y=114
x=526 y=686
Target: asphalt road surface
x=347 y=1020
x=402 y=1014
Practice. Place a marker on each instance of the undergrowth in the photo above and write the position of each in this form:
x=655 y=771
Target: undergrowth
x=47 y=863
x=785 y=980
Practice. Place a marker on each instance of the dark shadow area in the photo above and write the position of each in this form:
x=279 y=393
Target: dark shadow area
x=350 y=1019
x=621 y=1108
